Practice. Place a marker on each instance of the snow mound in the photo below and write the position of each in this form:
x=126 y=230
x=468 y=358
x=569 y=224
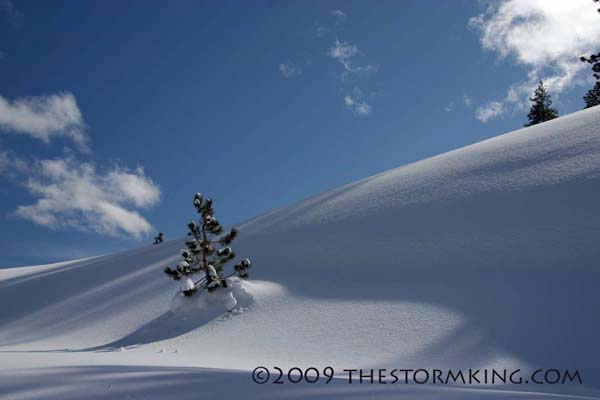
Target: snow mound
x=226 y=299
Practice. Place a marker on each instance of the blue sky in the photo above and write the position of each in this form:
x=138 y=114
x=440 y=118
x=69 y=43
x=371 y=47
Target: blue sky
x=113 y=115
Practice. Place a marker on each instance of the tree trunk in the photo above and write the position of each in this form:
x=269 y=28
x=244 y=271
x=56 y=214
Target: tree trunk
x=204 y=260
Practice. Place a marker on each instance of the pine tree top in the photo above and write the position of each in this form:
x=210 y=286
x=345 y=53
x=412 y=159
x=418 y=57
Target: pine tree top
x=541 y=109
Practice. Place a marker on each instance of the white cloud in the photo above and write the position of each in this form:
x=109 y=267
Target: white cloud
x=546 y=36
x=449 y=107
x=356 y=103
x=72 y=194
x=134 y=187
x=339 y=15
x=290 y=70
x=44 y=117
x=343 y=52
x=489 y=111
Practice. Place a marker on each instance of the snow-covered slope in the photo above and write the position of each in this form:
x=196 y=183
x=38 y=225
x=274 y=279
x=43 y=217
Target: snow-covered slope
x=483 y=257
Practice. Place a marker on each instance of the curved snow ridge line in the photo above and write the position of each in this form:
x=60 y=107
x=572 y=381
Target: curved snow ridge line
x=545 y=154
x=14 y=276
x=11 y=274
x=22 y=270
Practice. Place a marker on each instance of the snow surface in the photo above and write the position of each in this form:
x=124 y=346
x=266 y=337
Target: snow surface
x=482 y=257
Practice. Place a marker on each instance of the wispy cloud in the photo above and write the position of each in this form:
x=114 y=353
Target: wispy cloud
x=357 y=104
x=546 y=36
x=339 y=15
x=74 y=195
x=44 y=117
x=339 y=18
x=343 y=52
x=489 y=111
x=290 y=70
x=322 y=30
x=449 y=107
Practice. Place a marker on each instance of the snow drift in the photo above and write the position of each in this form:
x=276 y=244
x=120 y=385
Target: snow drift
x=482 y=257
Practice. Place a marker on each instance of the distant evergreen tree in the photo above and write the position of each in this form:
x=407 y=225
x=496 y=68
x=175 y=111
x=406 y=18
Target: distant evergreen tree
x=158 y=239
x=206 y=251
x=592 y=97
x=541 y=109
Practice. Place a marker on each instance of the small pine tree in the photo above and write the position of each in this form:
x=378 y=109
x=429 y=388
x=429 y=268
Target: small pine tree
x=158 y=239
x=207 y=250
x=541 y=109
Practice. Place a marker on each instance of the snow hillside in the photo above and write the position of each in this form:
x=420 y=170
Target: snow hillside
x=482 y=257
